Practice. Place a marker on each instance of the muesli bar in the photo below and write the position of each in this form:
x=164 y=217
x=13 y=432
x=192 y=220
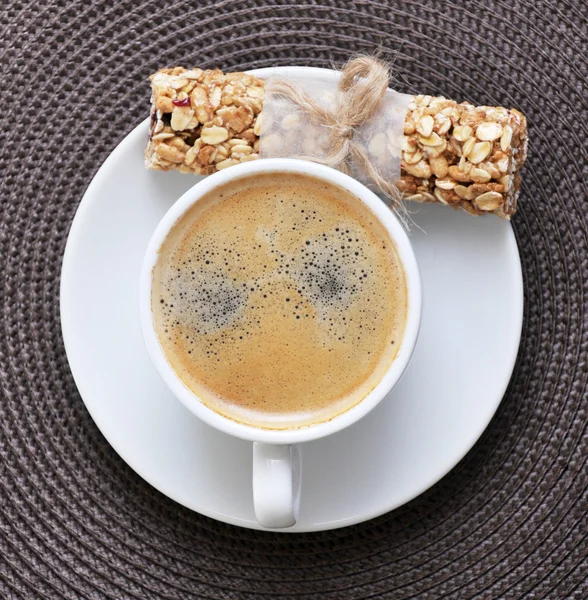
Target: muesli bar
x=203 y=121
x=463 y=155
x=452 y=153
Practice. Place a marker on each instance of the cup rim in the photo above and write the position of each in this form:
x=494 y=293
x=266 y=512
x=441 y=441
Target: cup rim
x=392 y=374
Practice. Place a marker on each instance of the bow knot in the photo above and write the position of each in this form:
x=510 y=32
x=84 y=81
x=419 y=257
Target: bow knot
x=344 y=131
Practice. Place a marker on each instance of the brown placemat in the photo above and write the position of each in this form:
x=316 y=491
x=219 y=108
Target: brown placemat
x=76 y=522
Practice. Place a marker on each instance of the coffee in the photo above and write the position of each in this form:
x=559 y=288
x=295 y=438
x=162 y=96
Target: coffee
x=279 y=300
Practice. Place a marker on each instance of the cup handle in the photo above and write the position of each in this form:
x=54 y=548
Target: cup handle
x=276 y=484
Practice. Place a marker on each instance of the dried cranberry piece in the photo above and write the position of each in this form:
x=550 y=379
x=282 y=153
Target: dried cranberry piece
x=184 y=102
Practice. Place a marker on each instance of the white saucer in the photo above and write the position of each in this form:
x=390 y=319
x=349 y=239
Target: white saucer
x=471 y=325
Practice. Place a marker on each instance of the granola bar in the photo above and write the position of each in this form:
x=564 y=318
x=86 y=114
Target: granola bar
x=463 y=155
x=203 y=121
x=452 y=153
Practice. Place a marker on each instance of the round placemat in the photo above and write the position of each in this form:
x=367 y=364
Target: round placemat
x=77 y=522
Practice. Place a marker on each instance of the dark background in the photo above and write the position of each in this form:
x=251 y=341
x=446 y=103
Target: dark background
x=76 y=522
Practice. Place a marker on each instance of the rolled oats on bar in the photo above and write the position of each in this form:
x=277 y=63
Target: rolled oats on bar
x=453 y=153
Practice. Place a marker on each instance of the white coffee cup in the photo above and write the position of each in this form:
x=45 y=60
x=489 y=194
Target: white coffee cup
x=276 y=456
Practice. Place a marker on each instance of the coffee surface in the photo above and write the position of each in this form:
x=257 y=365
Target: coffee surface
x=279 y=300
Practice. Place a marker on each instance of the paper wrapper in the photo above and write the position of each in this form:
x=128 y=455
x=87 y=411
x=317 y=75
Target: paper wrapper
x=289 y=132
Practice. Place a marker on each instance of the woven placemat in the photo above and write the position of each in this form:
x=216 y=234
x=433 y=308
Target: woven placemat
x=77 y=522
